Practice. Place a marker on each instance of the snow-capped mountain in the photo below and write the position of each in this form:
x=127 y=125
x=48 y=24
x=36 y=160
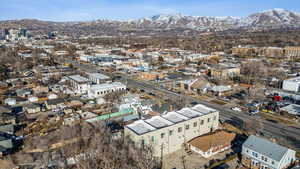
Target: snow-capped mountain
x=186 y=21
x=273 y=18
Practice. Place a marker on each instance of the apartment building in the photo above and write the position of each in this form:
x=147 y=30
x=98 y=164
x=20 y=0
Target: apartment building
x=103 y=89
x=169 y=132
x=273 y=52
x=259 y=153
x=224 y=71
x=292 y=53
x=244 y=51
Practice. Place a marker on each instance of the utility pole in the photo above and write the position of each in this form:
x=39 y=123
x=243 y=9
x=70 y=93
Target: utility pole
x=183 y=161
x=161 y=155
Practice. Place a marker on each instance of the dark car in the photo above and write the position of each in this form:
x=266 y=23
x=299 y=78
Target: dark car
x=152 y=94
x=194 y=103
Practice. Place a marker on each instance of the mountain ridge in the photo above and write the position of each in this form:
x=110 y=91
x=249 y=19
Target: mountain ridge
x=269 y=18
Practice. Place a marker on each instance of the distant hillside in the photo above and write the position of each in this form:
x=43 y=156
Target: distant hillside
x=274 y=18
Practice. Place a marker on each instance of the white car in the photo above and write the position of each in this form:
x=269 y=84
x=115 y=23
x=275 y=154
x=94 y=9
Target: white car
x=236 y=109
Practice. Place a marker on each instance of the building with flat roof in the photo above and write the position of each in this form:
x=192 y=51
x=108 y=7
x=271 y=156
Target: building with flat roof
x=98 y=78
x=168 y=132
x=292 y=85
x=79 y=84
x=100 y=90
x=291 y=109
x=78 y=79
x=261 y=153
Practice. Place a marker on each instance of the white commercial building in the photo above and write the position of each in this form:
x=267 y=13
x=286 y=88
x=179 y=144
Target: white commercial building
x=168 y=132
x=291 y=109
x=103 y=89
x=98 y=78
x=79 y=84
x=292 y=85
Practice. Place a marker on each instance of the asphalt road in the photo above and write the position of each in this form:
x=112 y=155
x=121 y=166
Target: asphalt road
x=284 y=134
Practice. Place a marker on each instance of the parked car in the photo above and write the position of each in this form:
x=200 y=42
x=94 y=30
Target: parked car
x=253 y=112
x=256 y=104
x=194 y=103
x=236 y=109
x=226 y=98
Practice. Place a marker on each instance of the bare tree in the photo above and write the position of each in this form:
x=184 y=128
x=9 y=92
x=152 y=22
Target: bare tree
x=114 y=97
x=253 y=71
x=89 y=146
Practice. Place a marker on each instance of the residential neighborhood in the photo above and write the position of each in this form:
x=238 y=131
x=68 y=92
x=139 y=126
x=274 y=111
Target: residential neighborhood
x=150 y=96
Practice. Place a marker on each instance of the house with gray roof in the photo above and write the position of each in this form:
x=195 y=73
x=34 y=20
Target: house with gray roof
x=5 y=109
x=23 y=92
x=6 y=145
x=264 y=154
x=220 y=90
x=9 y=129
x=55 y=103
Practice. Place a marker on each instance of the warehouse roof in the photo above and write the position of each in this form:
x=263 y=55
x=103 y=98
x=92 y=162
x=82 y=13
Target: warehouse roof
x=140 y=127
x=168 y=119
x=203 y=109
x=190 y=113
x=292 y=109
x=158 y=122
x=295 y=79
x=106 y=86
x=98 y=76
x=79 y=79
x=174 y=117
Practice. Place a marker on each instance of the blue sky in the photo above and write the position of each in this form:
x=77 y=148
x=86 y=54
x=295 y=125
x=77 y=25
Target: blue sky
x=82 y=10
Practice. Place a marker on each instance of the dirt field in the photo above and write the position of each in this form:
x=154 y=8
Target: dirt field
x=219 y=102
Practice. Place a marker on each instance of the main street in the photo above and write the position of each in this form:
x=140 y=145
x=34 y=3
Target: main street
x=287 y=135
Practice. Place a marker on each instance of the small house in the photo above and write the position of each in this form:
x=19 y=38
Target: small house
x=8 y=129
x=55 y=103
x=261 y=153
x=23 y=92
x=221 y=90
x=32 y=108
x=6 y=146
x=211 y=144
